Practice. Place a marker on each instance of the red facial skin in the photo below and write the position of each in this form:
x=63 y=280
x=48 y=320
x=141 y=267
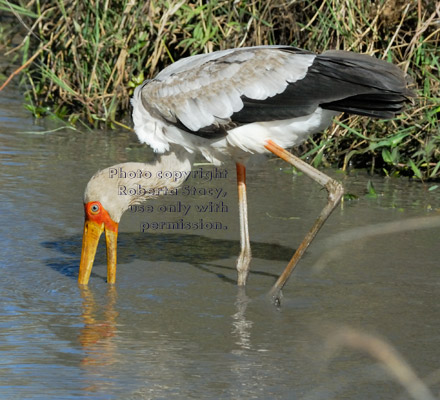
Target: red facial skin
x=97 y=220
x=99 y=216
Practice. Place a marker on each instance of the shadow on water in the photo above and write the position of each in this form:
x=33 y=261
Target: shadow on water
x=195 y=250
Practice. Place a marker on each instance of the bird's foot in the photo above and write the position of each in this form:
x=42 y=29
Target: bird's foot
x=275 y=297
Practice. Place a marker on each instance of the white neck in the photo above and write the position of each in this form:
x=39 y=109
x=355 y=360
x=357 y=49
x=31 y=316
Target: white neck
x=122 y=185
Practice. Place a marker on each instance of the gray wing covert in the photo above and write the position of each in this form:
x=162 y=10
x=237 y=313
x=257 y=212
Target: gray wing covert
x=203 y=96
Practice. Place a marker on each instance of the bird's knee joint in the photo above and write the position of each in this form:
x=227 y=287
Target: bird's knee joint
x=335 y=190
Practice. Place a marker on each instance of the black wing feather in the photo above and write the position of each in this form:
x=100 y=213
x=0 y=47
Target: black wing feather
x=337 y=80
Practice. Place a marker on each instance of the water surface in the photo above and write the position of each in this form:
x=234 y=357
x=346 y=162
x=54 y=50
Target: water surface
x=175 y=325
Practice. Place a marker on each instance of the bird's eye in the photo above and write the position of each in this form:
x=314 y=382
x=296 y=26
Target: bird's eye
x=94 y=209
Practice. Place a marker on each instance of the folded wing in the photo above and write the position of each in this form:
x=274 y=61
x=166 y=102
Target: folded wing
x=211 y=93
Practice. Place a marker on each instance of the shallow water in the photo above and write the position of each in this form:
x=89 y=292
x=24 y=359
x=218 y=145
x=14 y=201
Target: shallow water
x=175 y=325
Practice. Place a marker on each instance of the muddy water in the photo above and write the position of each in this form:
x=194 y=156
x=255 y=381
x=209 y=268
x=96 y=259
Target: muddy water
x=175 y=325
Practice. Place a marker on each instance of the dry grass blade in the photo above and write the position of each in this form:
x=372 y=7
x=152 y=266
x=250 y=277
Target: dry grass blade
x=386 y=354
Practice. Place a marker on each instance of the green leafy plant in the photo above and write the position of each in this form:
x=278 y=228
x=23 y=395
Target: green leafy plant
x=82 y=59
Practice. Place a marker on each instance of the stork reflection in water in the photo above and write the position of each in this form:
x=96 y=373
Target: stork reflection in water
x=232 y=104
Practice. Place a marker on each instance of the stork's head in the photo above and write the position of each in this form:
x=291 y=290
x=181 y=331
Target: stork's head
x=103 y=209
x=110 y=193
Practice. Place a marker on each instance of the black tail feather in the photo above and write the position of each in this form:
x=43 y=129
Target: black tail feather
x=384 y=105
x=383 y=88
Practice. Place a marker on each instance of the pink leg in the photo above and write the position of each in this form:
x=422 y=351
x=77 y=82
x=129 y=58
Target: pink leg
x=245 y=256
x=335 y=192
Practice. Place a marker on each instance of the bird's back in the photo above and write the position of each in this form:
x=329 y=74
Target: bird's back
x=200 y=100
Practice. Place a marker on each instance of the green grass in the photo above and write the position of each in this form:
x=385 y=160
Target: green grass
x=85 y=58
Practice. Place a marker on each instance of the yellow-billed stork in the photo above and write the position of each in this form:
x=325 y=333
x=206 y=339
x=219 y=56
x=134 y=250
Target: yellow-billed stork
x=235 y=103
